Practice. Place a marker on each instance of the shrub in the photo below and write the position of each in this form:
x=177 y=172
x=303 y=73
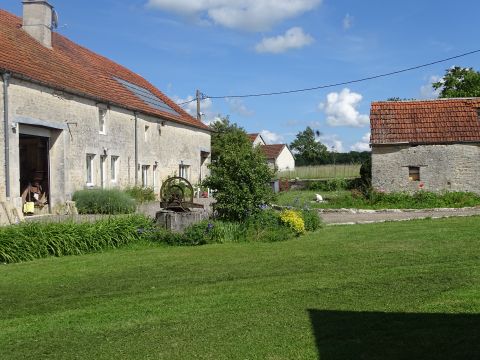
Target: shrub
x=239 y=174
x=311 y=220
x=328 y=185
x=293 y=220
x=141 y=194
x=101 y=201
x=32 y=240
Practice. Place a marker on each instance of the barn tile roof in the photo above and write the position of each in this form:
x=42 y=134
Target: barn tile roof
x=425 y=122
x=74 y=69
x=272 y=151
x=252 y=137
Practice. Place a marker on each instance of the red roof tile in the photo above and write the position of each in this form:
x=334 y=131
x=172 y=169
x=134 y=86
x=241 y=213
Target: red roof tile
x=272 y=151
x=252 y=137
x=75 y=69
x=425 y=122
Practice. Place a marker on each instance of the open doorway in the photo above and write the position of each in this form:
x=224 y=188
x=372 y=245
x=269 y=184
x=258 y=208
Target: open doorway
x=34 y=173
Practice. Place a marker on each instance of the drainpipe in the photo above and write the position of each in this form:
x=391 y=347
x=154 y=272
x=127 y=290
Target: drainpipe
x=136 y=148
x=6 y=80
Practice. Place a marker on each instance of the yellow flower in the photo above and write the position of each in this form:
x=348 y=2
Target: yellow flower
x=293 y=220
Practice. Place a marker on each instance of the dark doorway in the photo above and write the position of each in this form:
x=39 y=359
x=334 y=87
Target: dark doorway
x=34 y=171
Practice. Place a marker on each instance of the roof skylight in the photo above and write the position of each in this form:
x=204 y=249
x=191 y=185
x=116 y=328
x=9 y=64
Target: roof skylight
x=147 y=97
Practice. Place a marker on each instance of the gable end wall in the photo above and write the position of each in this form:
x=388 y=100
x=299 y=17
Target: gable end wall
x=453 y=167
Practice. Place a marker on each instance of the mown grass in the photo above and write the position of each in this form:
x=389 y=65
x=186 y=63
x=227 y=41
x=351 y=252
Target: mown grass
x=342 y=171
x=345 y=199
x=406 y=290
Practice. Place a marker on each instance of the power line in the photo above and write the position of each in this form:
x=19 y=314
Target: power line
x=336 y=84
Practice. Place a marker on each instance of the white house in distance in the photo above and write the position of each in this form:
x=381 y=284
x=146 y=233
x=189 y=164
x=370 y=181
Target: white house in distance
x=278 y=156
x=73 y=119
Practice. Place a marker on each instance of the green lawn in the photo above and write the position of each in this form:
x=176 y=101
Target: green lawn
x=407 y=290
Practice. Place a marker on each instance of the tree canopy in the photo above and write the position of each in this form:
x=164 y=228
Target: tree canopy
x=307 y=150
x=459 y=82
x=239 y=173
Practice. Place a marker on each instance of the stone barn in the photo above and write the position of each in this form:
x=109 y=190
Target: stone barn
x=431 y=145
x=73 y=119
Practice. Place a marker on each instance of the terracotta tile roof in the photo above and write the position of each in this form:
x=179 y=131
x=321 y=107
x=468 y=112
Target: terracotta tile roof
x=272 y=151
x=75 y=69
x=425 y=122
x=252 y=137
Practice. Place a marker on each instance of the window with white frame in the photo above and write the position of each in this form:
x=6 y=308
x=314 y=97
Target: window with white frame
x=89 y=163
x=102 y=119
x=184 y=170
x=145 y=175
x=114 y=168
x=103 y=172
x=154 y=176
x=146 y=132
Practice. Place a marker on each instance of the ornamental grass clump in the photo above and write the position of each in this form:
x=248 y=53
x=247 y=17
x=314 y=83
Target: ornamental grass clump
x=293 y=220
x=34 y=240
x=102 y=201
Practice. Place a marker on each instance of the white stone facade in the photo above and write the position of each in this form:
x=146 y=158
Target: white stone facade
x=72 y=125
x=453 y=167
x=285 y=160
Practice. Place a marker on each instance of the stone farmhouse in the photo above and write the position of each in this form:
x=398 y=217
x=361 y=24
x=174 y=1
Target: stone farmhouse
x=278 y=156
x=429 y=145
x=73 y=119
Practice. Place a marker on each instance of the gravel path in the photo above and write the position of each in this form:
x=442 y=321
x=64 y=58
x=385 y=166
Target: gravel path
x=346 y=216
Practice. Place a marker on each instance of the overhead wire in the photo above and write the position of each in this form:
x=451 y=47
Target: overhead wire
x=204 y=96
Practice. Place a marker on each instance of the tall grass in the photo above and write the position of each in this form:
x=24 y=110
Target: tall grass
x=33 y=240
x=103 y=201
x=322 y=172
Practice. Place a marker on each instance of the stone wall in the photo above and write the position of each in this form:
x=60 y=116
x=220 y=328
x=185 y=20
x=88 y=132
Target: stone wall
x=74 y=133
x=442 y=167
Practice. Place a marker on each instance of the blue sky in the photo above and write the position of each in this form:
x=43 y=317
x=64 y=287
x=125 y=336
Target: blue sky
x=227 y=47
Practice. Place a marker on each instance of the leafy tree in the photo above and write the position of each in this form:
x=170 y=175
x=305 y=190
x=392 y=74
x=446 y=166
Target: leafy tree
x=459 y=82
x=307 y=150
x=239 y=173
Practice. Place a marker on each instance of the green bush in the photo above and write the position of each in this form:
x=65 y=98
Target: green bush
x=311 y=219
x=263 y=227
x=101 y=201
x=33 y=240
x=141 y=194
x=239 y=174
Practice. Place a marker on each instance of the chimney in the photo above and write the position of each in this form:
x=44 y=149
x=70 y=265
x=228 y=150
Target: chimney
x=37 y=20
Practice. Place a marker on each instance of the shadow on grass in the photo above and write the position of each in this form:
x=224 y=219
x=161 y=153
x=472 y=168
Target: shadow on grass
x=376 y=335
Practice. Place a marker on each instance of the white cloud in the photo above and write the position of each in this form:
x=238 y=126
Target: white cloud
x=250 y=15
x=363 y=145
x=427 y=91
x=341 y=109
x=293 y=38
x=271 y=137
x=332 y=142
x=347 y=22
x=237 y=106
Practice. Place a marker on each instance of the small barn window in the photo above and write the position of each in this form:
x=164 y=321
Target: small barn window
x=414 y=173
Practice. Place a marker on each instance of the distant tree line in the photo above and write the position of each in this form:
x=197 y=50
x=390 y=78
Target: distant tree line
x=309 y=151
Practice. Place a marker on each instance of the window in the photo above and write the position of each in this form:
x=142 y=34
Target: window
x=102 y=116
x=154 y=176
x=114 y=168
x=146 y=132
x=414 y=173
x=145 y=175
x=90 y=158
x=103 y=162
x=183 y=170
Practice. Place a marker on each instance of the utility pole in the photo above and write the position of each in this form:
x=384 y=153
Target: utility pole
x=199 y=98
